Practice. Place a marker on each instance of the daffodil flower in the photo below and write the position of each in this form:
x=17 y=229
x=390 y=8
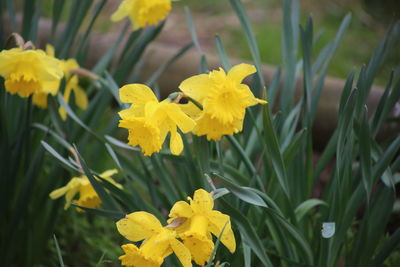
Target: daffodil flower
x=149 y=121
x=87 y=195
x=72 y=85
x=142 y=12
x=159 y=242
x=224 y=99
x=29 y=71
x=200 y=221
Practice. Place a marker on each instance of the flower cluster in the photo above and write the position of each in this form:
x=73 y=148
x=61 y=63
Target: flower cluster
x=87 y=195
x=38 y=73
x=28 y=72
x=142 y=12
x=217 y=106
x=149 y=121
x=188 y=234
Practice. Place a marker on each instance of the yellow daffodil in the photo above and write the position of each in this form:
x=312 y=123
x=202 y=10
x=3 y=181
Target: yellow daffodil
x=200 y=221
x=142 y=12
x=159 y=242
x=87 y=195
x=72 y=85
x=29 y=71
x=224 y=99
x=80 y=95
x=149 y=121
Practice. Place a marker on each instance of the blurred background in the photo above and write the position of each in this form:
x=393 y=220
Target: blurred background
x=370 y=19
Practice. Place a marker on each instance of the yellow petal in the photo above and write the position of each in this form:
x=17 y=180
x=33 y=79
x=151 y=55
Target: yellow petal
x=176 y=144
x=51 y=87
x=250 y=96
x=197 y=87
x=182 y=120
x=138 y=226
x=59 y=192
x=40 y=100
x=191 y=110
x=123 y=10
x=200 y=249
x=202 y=201
x=50 y=50
x=217 y=223
x=181 y=209
x=182 y=252
x=63 y=113
x=109 y=173
x=238 y=72
x=136 y=93
x=80 y=95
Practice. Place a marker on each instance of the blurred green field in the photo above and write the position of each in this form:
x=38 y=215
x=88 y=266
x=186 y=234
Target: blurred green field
x=361 y=38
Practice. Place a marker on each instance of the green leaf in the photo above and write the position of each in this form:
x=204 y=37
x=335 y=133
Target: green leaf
x=251 y=39
x=115 y=215
x=239 y=191
x=106 y=59
x=386 y=250
x=83 y=40
x=60 y=259
x=222 y=53
x=294 y=235
x=11 y=12
x=58 y=138
x=214 y=252
x=73 y=116
x=35 y=22
x=306 y=206
x=29 y=9
x=55 y=154
x=364 y=136
x=58 y=7
x=192 y=30
x=120 y=144
x=289 y=52
x=273 y=148
x=248 y=232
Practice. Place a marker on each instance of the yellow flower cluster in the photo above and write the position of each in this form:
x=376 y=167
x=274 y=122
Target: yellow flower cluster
x=28 y=72
x=218 y=107
x=87 y=195
x=142 y=12
x=38 y=73
x=149 y=121
x=188 y=234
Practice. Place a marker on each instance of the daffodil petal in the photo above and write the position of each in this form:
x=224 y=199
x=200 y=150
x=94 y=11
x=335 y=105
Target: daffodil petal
x=202 y=201
x=217 y=222
x=50 y=50
x=59 y=192
x=191 y=110
x=176 y=143
x=181 y=209
x=109 y=173
x=123 y=10
x=197 y=87
x=238 y=72
x=182 y=252
x=138 y=226
x=40 y=100
x=250 y=96
x=80 y=98
x=136 y=93
x=183 y=121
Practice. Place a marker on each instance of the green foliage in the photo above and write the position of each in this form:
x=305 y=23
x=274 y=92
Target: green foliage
x=265 y=178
